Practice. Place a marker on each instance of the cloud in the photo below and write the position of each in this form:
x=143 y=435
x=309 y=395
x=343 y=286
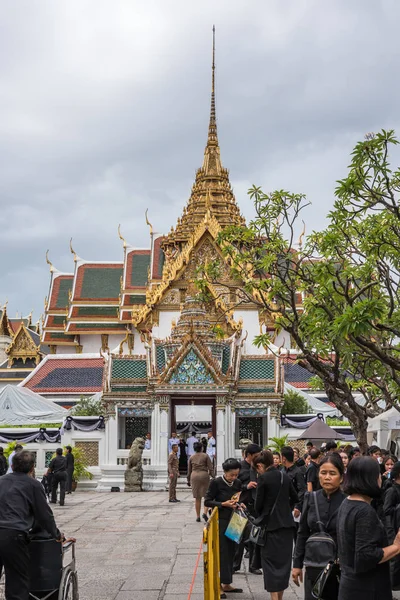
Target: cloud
x=104 y=111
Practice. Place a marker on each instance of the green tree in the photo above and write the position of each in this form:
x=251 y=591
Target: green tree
x=87 y=407
x=337 y=295
x=295 y=404
x=277 y=443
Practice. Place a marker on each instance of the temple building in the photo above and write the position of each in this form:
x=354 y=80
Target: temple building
x=170 y=362
x=20 y=348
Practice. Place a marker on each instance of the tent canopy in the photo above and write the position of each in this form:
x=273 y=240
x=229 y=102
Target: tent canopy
x=320 y=431
x=21 y=406
x=384 y=421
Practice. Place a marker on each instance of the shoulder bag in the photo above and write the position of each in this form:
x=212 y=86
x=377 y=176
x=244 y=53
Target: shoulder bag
x=258 y=533
x=320 y=548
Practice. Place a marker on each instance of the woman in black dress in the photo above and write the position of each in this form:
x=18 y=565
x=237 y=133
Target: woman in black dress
x=391 y=511
x=220 y=494
x=364 y=552
x=329 y=499
x=183 y=459
x=275 y=495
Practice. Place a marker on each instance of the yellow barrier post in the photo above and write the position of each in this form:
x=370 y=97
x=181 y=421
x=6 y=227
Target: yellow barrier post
x=212 y=588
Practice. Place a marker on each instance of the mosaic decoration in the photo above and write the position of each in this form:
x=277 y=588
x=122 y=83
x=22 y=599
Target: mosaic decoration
x=48 y=455
x=191 y=371
x=252 y=412
x=134 y=412
x=90 y=451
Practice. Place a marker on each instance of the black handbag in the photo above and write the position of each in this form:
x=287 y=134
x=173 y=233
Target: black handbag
x=258 y=533
x=326 y=586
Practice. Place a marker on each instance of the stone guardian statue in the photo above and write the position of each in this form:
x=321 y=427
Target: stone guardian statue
x=134 y=469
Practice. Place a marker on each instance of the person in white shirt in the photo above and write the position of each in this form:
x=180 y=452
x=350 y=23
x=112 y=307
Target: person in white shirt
x=211 y=448
x=17 y=448
x=172 y=441
x=190 y=443
x=147 y=442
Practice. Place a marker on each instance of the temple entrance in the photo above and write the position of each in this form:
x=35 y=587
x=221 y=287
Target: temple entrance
x=192 y=415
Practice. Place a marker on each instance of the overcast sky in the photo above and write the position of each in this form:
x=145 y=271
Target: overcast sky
x=104 y=109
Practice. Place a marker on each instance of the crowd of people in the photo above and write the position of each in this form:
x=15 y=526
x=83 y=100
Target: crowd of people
x=330 y=505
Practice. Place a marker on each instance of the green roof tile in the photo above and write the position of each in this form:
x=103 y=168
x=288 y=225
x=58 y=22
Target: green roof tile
x=137 y=388
x=139 y=270
x=58 y=321
x=63 y=290
x=116 y=326
x=98 y=311
x=101 y=282
x=160 y=358
x=137 y=299
x=125 y=368
x=251 y=368
x=266 y=390
x=226 y=355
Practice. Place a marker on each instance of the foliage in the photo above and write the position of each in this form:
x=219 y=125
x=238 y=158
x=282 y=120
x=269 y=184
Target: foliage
x=80 y=464
x=30 y=426
x=295 y=404
x=277 y=443
x=87 y=407
x=334 y=422
x=336 y=294
x=10 y=448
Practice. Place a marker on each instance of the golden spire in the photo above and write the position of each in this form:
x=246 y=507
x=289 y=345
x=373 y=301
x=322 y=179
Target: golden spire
x=212 y=127
x=212 y=192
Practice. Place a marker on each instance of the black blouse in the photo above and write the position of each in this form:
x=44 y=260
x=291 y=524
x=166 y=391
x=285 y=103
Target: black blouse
x=219 y=492
x=361 y=539
x=328 y=512
x=392 y=500
x=268 y=488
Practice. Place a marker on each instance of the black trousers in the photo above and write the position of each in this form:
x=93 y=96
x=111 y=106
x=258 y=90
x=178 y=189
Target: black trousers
x=58 y=478
x=226 y=553
x=15 y=560
x=70 y=472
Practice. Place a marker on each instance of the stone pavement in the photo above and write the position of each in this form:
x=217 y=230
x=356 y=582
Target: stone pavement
x=138 y=546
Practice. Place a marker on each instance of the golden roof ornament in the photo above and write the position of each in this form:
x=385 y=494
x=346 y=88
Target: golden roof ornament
x=148 y=222
x=123 y=240
x=211 y=192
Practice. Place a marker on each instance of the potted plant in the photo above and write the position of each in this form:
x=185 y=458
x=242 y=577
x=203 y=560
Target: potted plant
x=80 y=467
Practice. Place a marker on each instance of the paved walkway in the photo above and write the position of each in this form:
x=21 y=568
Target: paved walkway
x=139 y=547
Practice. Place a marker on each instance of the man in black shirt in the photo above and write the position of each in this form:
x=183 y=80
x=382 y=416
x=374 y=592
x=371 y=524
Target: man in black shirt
x=70 y=460
x=312 y=475
x=248 y=479
x=22 y=501
x=296 y=476
x=58 y=469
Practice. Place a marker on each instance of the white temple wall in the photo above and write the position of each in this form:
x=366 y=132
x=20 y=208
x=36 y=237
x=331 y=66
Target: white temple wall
x=251 y=324
x=138 y=345
x=92 y=343
x=65 y=349
x=282 y=340
x=165 y=319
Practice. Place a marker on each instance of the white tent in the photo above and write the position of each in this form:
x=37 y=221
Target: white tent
x=384 y=428
x=21 y=406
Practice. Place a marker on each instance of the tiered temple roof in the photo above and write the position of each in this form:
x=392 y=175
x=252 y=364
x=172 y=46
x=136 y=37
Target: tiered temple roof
x=118 y=297
x=21 y=349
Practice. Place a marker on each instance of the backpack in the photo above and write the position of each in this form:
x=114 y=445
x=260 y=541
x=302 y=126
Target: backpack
x=320 y=548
